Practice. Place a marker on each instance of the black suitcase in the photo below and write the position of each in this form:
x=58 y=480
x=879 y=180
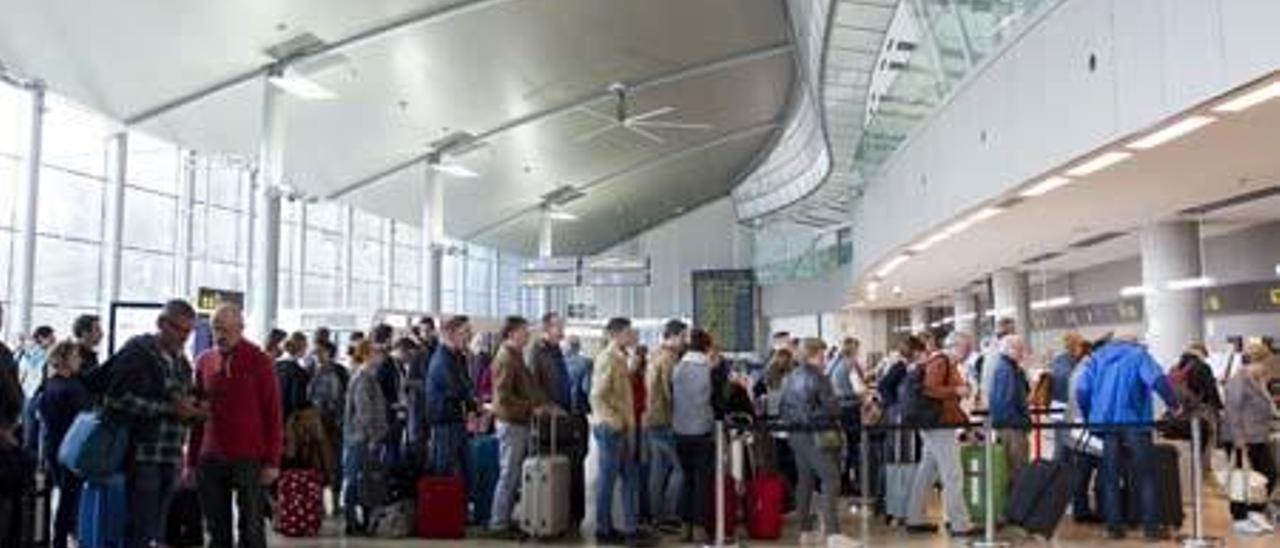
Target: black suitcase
x=1041 y=493
x=1168 y=479
x=184 y=521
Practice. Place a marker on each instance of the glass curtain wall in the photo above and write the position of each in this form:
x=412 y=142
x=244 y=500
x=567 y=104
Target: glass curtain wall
x=174 y=198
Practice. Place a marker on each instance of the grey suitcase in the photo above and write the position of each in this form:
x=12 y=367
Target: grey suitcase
x=899 y=473
x=545 y=491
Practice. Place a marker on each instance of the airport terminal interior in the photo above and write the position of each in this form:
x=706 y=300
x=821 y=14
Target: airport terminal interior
x=467 y=273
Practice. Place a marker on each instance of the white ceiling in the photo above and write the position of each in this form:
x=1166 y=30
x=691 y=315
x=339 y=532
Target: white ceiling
x=472 y=72
x=1233 y=156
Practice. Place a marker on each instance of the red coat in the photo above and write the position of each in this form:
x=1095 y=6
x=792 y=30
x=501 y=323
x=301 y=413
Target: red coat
x=245 y=417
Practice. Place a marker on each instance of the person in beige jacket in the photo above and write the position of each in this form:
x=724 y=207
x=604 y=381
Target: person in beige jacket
x=613 y=426
x=516 y=398
x=665 y=474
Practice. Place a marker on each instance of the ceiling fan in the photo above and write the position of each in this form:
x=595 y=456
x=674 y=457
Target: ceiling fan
x=640 y=124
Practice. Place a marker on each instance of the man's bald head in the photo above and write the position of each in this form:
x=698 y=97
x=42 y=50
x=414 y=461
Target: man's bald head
x=228 y=326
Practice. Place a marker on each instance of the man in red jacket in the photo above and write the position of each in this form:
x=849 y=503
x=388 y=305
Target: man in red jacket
x=238 y=449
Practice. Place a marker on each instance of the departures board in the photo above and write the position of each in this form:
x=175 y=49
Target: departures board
x=724 y=304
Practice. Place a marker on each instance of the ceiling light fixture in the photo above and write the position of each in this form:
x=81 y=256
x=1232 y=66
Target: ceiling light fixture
x=1190 y=283
x=1056 y=302
x=456 y=170
x=297 y=85
x=1180 y=129
x=1099 y=163
x=1046 y=186
x=892 y=265
x=1249 y=99
x=561 y=215
x=1136 y=291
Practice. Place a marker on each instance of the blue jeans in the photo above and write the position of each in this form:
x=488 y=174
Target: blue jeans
x=450 y=452
x=617 y=462
x=150 y=488
x=513 y=445
x=353 y=456
x=664 y=468
x=1128 y=450
x=811 y=462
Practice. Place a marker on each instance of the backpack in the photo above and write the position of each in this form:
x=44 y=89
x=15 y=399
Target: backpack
x=917 y=408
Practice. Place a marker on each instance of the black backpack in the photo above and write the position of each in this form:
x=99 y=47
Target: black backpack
x=917 y=408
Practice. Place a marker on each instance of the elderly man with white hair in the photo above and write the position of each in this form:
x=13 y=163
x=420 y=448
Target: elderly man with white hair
x=1010 y=414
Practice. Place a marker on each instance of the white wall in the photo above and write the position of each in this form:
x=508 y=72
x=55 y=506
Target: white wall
x=1039 y=105
x=812 y=296
x=706 y=238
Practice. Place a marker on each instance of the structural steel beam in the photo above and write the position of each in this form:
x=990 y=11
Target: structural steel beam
x=691 y=71
x=431 y=15
x=645 y=165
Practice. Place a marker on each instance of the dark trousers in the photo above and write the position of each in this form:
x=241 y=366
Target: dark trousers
x=697 y=459
x=67 y=518
x=1128 y=450
x=150 y=487
x=1086 y=466
x=1260 y=461
x=218 y=482
x=577 y=470
x=851 y=423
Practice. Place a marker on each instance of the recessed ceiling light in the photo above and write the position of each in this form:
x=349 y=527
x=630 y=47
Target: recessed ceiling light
x=1250 y=99
x=299 y=86
x=1099 y=163
x=1169 y=133
x=1046 y=186
x=892 y=265
x=1056 y=302
x=456 y=170
x=1136 y=291
x=561 y=215
x=1190 y=283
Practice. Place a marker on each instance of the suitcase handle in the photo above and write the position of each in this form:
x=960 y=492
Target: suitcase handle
x=537 y=433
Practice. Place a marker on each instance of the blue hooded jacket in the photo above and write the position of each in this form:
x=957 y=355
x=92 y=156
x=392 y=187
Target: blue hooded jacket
x=1117 y=387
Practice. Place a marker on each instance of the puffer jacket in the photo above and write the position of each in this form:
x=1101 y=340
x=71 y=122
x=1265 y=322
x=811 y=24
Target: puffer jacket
x=1117 y=386
x=808 y=401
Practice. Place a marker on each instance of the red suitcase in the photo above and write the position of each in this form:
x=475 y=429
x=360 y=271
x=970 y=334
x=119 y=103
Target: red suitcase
x=442 y=507
x=765 y=495
x=300 y=511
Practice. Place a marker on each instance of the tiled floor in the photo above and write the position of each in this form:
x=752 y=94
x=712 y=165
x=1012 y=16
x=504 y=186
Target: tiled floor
x=1070 y=536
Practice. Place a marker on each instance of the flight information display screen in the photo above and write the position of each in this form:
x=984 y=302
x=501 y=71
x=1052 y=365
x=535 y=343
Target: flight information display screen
x=724 y=304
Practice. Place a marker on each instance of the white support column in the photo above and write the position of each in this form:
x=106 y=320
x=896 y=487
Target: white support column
x=919 y=318
x=1174 y=317
x=965 y=311
x=495 y=285
x=186 y=224
x=348 y=255
x=432 y=239
x=388 y=263
x=546 y=246
x=462 y=260
x=266 y=263
x=249 y=193
x=29 y=191
x=298 y=284
x=113 y=223
x=1011 y=298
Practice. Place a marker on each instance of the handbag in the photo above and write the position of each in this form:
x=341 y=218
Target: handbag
x=95 y=446
x=1244 y=486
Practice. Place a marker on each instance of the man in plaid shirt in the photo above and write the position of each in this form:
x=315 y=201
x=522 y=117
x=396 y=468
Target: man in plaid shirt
x=148 y=384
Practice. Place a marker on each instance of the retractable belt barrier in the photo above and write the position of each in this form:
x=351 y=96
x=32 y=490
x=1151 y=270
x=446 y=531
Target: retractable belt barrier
x=741 y=424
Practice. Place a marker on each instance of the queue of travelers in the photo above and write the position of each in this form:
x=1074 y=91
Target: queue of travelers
x=421 y=402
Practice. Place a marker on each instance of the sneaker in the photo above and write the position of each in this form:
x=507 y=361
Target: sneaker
x=1247 y=527
x=1262 y=522
x=922 y=528
x=610 y=538
x=811 y=538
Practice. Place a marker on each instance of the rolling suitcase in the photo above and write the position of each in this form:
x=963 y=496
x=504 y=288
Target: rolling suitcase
x=899 y=474
x=442 y=508
x=545 y=478
x=1041 y=492
x=974 y=460
x=103 y=512
x=300 y=512
x=1168 y=484
x=484 y=477
x=764 y=506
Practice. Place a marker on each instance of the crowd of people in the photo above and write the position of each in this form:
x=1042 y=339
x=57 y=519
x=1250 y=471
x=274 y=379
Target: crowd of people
x=417 y=402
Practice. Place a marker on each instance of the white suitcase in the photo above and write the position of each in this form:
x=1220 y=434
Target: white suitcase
x=545 y=492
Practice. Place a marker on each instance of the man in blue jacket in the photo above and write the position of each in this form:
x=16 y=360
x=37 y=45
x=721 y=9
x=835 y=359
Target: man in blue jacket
x=1116 y=390
x=448 y=400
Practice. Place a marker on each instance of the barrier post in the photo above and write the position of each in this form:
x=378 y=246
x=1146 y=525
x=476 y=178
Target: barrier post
x=864 y=471
x=719 y=490
x=1197 y=538
x=988 y=483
